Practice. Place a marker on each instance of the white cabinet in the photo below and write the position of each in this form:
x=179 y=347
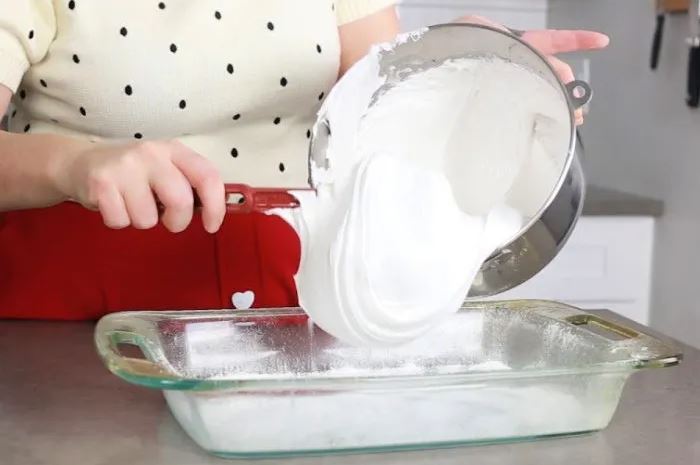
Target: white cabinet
x=518 y=14
x=607 y=263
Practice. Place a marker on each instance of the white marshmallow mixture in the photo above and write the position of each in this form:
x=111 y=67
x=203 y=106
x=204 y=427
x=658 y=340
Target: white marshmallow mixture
x=422 y=185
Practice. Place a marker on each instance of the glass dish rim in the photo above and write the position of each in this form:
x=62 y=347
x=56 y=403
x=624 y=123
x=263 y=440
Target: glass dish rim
x=151 y=374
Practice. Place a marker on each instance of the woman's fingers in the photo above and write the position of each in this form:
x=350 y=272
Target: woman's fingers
x=206 y=180
x=112 y=208
x=175 y=193
x=124 y=183
x=552 y=41
x=563 y=70
x=140 y=203
x=473 y=19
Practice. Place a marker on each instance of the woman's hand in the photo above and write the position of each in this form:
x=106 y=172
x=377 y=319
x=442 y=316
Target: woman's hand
x=551 y=42
x=125 y=181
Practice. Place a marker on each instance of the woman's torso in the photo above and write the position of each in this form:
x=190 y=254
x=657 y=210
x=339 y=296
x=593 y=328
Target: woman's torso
x=238 y=81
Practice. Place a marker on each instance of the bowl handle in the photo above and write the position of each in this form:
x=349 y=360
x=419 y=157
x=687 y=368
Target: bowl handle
x=579 y=92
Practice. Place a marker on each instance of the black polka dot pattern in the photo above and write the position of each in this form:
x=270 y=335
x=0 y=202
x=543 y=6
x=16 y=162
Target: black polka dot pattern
x=172 y=44
x=27 y=128
x=22 y=94
x=14 y=113
x=31 y=34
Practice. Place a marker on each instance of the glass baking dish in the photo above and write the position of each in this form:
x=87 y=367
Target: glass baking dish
x=268 y=383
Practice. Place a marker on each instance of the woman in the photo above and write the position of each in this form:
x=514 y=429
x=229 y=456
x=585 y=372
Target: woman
x=122 y=103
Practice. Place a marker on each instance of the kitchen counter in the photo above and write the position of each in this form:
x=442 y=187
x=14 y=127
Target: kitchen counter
x=60 y=406
x=601 y=201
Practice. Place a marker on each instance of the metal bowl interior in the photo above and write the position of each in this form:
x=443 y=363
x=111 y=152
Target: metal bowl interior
x=551 y=219
x=453 y=41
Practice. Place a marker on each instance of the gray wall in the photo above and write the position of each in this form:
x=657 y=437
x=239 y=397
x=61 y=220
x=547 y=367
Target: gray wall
x=641 y=137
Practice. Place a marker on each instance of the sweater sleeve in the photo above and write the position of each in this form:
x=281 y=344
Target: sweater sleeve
x=352 y=10
x=27 y=29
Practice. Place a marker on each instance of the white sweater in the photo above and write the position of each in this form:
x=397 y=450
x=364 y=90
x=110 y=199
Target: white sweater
x=239 y=81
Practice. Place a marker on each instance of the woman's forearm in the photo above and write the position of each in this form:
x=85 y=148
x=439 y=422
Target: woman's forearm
x=357 y=37
x=30 y=165
x=29 y=169
x=5 y=96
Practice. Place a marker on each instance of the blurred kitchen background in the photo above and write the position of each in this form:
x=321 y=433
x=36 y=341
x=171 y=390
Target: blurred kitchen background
x=636 y=248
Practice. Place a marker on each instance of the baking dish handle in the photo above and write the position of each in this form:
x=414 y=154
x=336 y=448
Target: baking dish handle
x=647 y=351
x=153 y=370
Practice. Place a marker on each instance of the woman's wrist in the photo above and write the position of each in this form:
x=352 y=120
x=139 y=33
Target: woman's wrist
x=35 y=169
x=61 y=163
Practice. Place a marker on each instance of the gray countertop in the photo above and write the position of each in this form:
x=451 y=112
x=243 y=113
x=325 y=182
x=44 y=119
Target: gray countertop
x=59 y=406
x=601 y=201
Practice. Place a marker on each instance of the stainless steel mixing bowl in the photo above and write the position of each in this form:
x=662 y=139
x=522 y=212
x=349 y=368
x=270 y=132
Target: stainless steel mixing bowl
x=545 y=232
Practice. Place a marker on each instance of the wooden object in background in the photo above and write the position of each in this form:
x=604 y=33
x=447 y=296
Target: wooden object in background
x=675 y=6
